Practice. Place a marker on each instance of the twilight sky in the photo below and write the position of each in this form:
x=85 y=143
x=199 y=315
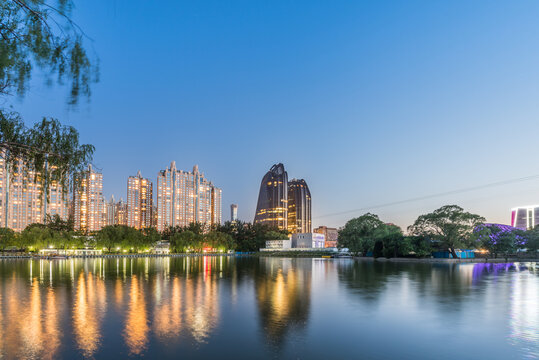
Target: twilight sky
x=369 y=101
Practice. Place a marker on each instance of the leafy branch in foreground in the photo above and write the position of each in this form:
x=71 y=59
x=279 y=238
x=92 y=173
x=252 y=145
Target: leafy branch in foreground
x=40 y=33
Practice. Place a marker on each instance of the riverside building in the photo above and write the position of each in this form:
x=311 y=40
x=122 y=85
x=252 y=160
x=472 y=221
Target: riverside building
x=21 y=200
x=525 y=217
x=331 y=235
x=233 y=212
x=121 y=212
x=186 y=197
x=139 y=202
x=272 y=206
x=111 y=212
x=299 y=207
x=88 y=202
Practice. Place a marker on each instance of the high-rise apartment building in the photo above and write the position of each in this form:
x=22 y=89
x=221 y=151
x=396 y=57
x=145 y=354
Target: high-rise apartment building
x=331 y=234
x=272 y=206
x=88 y=202
x=299 y=207
x=525 y=217
x=112 y=212
x=22 y=202
x=233 y=212
x=121 y=212
x=116 y=212
x=186 y=197
x=139 y=202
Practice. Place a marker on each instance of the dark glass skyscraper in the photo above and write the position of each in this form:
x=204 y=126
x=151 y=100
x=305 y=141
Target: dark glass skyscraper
x=299 y=207
x=272 y=207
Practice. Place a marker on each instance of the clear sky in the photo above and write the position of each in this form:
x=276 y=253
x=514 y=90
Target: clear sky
x=369 y=101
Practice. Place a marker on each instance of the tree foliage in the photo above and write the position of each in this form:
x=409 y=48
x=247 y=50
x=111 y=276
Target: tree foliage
x=251 y=237
x=449 y=225
x=500 y=239
x=50 y=150
x=41 y=33
x=359 y=234
x=7 y=238
x=125 y=237
x=532 y=240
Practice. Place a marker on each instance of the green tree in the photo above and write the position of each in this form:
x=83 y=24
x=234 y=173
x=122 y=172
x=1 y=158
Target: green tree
x=421 y=245
x=56 y=223
x=36 y=236
x=393 y=242
x=50 y=150
x=450 y=225
x=151 y=236
x=121 y=236
x=37 y=33
x=358 y=235
x=219 y=240
x=498 y=239
x=531 y=240
x=181 y=242
x=7 y=238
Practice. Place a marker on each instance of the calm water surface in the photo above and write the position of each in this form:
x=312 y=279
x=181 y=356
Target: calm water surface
x=248 y=308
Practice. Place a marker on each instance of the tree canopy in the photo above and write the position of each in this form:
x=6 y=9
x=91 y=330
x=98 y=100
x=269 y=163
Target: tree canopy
x=359 y=234
x=41 y=34
x=449 y=225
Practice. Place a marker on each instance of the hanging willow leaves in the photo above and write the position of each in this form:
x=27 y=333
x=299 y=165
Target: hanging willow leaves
x=55 y=154
x=50 y=150
x=13 y=134
x=41 y=34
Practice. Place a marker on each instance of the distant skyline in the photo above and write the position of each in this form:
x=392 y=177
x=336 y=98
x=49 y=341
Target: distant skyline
x=369 y=102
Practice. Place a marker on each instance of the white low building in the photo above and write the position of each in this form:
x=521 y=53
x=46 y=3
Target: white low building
x=308 y=241
x=162 y=248
x=278 y=244
x=69 y=252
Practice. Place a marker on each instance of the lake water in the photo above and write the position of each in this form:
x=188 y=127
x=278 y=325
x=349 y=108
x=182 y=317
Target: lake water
x=257 y=308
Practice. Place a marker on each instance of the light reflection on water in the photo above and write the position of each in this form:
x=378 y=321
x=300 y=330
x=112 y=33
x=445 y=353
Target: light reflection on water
x=268 y=307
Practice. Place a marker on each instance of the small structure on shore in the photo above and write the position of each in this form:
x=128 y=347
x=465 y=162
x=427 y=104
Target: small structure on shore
x=161 y=248
x=68 y=252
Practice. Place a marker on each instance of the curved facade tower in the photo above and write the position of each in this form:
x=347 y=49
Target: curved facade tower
x=299 y=207
x=272 y=207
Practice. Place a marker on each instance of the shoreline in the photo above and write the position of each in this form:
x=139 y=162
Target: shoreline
x=452 y=261
x=108 y=256
x=356 y=258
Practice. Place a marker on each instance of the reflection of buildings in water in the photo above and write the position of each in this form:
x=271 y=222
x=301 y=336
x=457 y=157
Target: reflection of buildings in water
x=187 y=303
x=51 y=324
x=136 y=324
x=119 y=293
x=482 y=269
x=88 y=310
x=283 y=290
x=524 y=311
x=30 y=326
x=523 y=290
x=202 y=309
x=168 y=310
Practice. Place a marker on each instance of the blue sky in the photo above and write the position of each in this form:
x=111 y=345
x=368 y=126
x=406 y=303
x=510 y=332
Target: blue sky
x=369 y=102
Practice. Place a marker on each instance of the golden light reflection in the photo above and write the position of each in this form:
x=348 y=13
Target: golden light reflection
x=154 y=303
x=136 y=325
x=52 y=323
x=201 y=305
x=283 y=296
x=30 y=328
x=168 y=315
x=32 y=331
x=87 y=313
